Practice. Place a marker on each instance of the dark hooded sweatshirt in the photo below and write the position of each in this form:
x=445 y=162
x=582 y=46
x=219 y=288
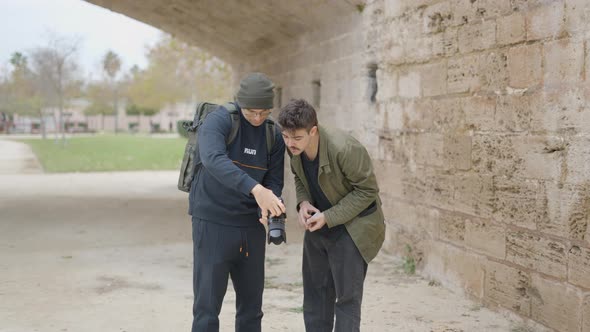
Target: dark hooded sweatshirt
x=220 y=192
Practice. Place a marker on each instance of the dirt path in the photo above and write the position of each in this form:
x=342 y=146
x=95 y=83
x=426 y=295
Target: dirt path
x=112 y=252
x=17 y=158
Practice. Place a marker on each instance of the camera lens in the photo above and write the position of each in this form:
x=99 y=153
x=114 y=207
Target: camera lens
x=276 y=229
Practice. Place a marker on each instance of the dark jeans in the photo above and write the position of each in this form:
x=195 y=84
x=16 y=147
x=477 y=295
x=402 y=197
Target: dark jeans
x=220 y=251
x=333 y=275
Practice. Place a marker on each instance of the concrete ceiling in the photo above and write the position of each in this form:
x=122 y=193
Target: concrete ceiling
x=231 y=29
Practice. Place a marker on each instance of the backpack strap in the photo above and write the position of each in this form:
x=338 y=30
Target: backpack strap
x=235 y=121
x=270 y=138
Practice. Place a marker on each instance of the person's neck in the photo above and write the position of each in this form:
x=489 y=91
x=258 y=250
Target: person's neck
x=311 y=152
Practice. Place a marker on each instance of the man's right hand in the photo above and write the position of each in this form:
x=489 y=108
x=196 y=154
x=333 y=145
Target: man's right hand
x=306 y=210
x=268 y=202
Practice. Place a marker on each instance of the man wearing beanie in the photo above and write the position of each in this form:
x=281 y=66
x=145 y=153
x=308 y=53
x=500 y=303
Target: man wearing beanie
x=235 y=180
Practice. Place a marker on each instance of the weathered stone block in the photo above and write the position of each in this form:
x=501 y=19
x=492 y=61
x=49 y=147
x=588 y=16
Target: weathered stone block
x=537 y=253
x=418 y=114
x=420 y=220
x=446 y=115
x=564 y=110
x=545 y=21
x=389 y=175
x=478 y=112
x=511 y=29
x=445 y=43
x=524 y=66
x=513 y=113
x=457 y=152
x=415 y=185
x=556 y=304
x=394 y=8
x=486 y=236
x=494 y=154
x=434 y=79
x=507 y=287
x=578 y=160
x=569 y=211
x=394 y=147
x=388 y=49
x=409 y=84
x=418 y=48
x=463 y=74
x=542 y=156
x=532 y=157
x=564 y=62
x=577 y=16
x=579 y=266
x=520 y=202
x=390 y=116
x=477 y=37
x=473 y=11
x=493 y=71
x=439 y=189
x=474 y=195
x=429 y=149
x=524 y=5
x=437 y=18
x=452 y=227
x=456 y=268
x=386 y=85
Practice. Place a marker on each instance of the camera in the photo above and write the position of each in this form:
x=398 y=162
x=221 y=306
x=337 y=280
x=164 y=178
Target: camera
x=276 y=229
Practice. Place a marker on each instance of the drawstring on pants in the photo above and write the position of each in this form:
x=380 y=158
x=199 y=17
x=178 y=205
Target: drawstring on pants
x=244 y=245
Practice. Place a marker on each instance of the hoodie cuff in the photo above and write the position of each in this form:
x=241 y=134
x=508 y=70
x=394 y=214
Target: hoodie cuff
x=247 y=186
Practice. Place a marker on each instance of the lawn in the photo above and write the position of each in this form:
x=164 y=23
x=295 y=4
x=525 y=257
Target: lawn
x=105 y=153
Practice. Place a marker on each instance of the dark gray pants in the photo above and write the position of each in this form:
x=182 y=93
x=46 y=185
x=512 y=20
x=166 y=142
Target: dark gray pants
x=333 y=276
x=220 y=251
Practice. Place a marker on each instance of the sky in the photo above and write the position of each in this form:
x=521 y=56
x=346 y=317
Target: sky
x=25 y=25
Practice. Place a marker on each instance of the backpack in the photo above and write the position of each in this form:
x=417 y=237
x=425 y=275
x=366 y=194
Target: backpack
x=191 y=162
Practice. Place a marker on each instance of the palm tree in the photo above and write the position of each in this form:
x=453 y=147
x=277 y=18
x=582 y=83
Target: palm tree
x=111 y=64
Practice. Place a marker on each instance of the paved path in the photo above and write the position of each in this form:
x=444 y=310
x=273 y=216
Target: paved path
x=17 y=158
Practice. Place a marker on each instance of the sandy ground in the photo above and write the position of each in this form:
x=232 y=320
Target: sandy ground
x=112 y=252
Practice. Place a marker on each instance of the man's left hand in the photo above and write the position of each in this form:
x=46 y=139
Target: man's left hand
x=316 y=222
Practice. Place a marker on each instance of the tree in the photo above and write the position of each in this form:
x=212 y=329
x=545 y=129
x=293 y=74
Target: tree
x=178 y=72
x=111 y=64
x=24 y=97
x=57 y=71
x=98 y=94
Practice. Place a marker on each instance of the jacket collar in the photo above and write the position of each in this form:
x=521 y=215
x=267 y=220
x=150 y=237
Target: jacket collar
x=324 y=162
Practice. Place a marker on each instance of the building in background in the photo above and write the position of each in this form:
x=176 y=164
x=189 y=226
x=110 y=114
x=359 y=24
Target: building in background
x=77 y=122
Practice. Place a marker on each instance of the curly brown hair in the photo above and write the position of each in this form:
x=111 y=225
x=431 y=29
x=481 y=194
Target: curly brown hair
x=298 y=114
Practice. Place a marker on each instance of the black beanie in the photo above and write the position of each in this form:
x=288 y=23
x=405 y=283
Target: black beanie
x=256 y=92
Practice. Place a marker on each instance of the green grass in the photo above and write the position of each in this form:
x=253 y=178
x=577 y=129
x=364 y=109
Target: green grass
x=105 y=153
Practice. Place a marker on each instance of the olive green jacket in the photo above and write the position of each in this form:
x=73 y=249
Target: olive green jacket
x=346 y=177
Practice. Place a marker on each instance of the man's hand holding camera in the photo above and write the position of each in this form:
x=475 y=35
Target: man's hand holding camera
x=268 y=202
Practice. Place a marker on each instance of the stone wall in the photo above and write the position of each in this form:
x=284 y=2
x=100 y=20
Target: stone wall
x=484 y=147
